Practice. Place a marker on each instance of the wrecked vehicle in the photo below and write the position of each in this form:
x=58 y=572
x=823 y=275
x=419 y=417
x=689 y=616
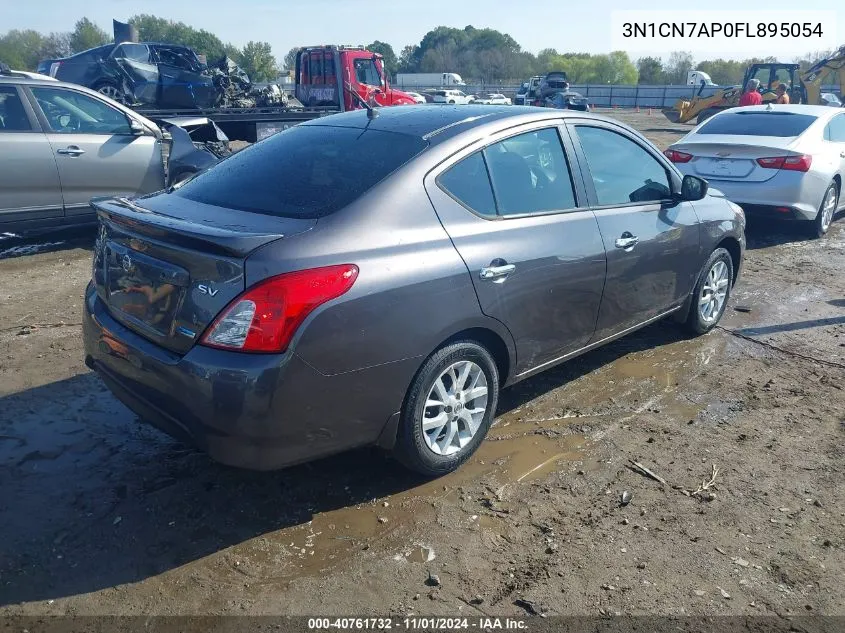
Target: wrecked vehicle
x=74 y=144
x=167 y=76
x=567 y=100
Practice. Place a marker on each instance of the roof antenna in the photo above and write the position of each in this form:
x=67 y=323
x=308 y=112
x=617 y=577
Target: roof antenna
x=372 y=112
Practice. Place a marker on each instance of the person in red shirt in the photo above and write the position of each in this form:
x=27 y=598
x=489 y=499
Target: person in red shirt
x=751 y=96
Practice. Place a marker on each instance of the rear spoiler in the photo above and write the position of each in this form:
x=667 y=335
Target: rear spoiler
x=209 y=236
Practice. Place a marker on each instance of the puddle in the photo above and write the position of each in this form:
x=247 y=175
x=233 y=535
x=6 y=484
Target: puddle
x=333 y=537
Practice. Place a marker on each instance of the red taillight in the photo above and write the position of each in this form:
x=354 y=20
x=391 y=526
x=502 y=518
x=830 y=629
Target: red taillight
x=265 y=317
x=791 y=163
x=677 y=157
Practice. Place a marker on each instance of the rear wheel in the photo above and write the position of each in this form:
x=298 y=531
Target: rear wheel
x=827 y=210
x=711 y=293
x=452 y=102
x=448 y=409
x=111 y=91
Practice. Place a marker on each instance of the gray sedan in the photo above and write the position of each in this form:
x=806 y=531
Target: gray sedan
x=62 y=144
x=778 y=161
x=363 y=279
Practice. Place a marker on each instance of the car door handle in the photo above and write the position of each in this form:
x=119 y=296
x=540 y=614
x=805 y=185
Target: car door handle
x=497 y=272
x=627 y=241
x=71 y=150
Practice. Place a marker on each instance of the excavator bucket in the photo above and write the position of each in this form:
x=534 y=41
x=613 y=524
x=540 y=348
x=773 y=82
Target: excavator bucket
x=673 y=115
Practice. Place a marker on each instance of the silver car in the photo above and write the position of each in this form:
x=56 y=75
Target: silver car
x=62 y=144
x=779 y=161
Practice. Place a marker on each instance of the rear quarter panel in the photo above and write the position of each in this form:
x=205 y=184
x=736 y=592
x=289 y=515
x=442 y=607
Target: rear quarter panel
x=412 y=293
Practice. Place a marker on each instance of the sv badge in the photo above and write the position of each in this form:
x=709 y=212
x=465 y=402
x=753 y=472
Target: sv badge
x=207 y=289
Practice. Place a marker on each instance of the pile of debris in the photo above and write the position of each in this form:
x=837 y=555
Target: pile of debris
x=235 y=90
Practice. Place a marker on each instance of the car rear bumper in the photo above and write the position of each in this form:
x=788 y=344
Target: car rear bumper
x=256 y=411
x=798 y=194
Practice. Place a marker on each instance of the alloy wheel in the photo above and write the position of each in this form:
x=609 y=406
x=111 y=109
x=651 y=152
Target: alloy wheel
x=455 y=408
x=828 y=208
x=713 y=293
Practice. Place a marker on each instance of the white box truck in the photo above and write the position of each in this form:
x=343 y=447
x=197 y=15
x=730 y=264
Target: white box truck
x=428 y=80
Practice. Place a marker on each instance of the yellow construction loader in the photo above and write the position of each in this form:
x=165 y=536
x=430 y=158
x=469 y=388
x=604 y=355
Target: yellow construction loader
x=803 y=87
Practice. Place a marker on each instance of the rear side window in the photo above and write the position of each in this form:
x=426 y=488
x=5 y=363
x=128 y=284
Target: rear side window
x=530 y=174
x=468 y=183
x=783 y=124
x=137 y=53
x=836 y=129
x=308 y=171
x=13 y=117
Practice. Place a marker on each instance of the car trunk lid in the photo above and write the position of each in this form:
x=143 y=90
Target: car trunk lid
x=165 y=266
x=722 y=158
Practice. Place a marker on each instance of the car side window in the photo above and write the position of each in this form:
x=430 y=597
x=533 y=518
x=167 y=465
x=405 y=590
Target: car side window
x=13 y=117
x=468 y=182
x=622 y=171
x=366 y=72
x=135 y=52
x=181 y=58
x=836 y=129
x=71 y=112
x=530 y=174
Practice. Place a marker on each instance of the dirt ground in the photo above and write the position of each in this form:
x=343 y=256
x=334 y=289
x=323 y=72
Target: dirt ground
x=103 y=515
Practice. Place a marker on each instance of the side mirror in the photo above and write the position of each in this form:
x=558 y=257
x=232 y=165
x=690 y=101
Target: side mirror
x=136 y=128
x=693 y=188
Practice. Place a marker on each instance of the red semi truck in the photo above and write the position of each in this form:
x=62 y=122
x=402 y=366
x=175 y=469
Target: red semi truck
x=325 y=77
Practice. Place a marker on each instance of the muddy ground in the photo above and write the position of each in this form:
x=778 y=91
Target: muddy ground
x=103 y=515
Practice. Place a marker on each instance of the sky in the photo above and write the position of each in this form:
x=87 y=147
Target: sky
x=566 y=25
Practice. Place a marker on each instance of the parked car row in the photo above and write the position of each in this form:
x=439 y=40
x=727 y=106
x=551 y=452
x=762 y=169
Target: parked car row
x=273 y=288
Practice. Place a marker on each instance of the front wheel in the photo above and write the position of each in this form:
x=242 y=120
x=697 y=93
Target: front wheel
x=448 y=409
x=827 y=210
x=706 y=114
x=711 y=294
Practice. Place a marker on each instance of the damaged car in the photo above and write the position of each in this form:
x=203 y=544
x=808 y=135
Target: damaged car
x=62 y=144
x=567 y=100
x=159 y=75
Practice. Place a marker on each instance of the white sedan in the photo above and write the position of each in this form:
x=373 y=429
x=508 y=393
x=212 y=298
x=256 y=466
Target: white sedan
x=416 y=96
x=454 y=97
x=494 y=99
x=777 y=161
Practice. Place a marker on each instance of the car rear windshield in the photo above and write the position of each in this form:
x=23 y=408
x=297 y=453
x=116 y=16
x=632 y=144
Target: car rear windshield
x=308 y=171
x=758 y=124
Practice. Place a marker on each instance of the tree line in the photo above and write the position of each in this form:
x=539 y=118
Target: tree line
x=477 y=54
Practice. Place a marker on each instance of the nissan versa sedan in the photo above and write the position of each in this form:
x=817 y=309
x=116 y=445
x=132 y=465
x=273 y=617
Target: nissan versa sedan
x=377 y=278
x=776 y=161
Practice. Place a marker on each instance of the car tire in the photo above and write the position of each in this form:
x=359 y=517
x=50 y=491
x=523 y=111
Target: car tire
x=437 y=451
x=827 y=211
x=451 y=103
x=110 y=90
x=719 y=269
x=706 y=114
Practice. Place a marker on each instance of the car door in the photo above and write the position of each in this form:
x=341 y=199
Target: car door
x=182 y=82
x=651 y=239
x=136 y=63
x=29 y=177
x=520 y=222
x=95 y=148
